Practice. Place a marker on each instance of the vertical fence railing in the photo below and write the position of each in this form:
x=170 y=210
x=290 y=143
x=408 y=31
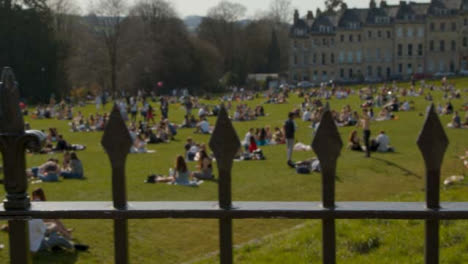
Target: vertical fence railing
x=433 y=143
x=117 y=143
x=224 y=143
x=327 y=144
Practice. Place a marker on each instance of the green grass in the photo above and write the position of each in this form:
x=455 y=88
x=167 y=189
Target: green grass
x=384 y=177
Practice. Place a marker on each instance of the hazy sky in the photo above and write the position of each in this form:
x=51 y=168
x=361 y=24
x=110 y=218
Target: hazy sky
x=200 y=7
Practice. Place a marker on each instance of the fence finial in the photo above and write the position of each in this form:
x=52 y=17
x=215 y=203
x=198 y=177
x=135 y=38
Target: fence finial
x=432 y=140
x=225 y=145
x=11 y=119
x=117 y=143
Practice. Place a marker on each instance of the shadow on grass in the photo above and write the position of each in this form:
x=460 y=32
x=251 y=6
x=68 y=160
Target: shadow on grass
x=61 y=257
x=393 y=164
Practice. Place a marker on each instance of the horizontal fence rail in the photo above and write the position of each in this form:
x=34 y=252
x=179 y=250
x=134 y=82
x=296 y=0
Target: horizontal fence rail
x=224 y=143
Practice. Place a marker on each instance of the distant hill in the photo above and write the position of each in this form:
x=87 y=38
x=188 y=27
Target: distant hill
x=192 y=22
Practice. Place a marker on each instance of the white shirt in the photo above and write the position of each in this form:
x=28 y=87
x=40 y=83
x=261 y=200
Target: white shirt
x=201 y=112
x=37 y=230
x=247 y=138
x=204 y=126
x=306 y=116
x=383 y=142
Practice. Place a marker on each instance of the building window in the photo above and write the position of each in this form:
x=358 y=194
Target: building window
x=324 y=42
x=350 y=57
x=342 y=73
x=295 y=59
x=306 y=58
x=410 y=49
x=350 y=73
x=359 y=38
x=420 y=32
x=454 y=45
x=465 y=42
x=441 y=66
x=332 y=58
x=409 y=32
x=420 y=68
x=350 y=38
x=314 y=58
x=400 y=68
x=389 y=72
x=332 y=41
x=369 y=71
x=324 y=60
x=431 y=45
x=341 y=57
x=465 y=22
x=442 y=26
x=454 y=26
x=442 y=45
x=358 y=56
x=400 y=50
x=324 y=76
x=389 y=34
x=379 y=72
x=452 y=66
x=377 y=53
x=420 y=50
x=431 y=66
x=379 y=34
x=432 y=26
x=342 y=38
x=399 y=32
x=295 y=44
x=409 y=70
x=369 y=34
x=315 y=75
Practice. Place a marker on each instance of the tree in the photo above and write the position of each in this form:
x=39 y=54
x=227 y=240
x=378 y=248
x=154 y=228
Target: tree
x=227 y=11
x=331 y=6
x=108 y=24
x=280 y=11
x=274 y=56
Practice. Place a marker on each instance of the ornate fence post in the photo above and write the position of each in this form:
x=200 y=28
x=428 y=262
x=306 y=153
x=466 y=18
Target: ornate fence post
x=225 y=145
x=13 y=143
x=327 y=145
x=117 y=142
x=432 y=143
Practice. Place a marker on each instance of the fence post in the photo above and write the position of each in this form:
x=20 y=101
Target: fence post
x=225 y=145
x=117 y=142
x=13 y=143
x=327 y=145
x=432 y=143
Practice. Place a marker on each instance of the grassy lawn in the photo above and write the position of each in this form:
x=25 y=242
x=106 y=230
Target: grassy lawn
x=396 y=176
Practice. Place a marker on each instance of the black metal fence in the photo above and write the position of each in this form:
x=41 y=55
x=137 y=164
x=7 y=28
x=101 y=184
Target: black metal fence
x=18 y=209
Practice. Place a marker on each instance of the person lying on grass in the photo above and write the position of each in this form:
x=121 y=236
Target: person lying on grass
x=47 y=172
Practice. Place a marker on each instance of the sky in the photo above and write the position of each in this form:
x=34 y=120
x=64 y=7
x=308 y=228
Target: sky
x=200 y=7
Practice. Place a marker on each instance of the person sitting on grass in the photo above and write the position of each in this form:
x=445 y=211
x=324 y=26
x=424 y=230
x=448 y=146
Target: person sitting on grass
x=50 y=235
x=381 y=143
x=253 y=145
x=262 y=137
x=205 y=166
x=203 y=127
x=456 y=121
x=139 y=145
x=47 y=172
x=181 y=174
x=354 y=142
x=55 y=225
x=75 y=170
x=278 y=136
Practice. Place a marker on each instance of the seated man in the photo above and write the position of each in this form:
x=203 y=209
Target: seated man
x=203 y=127
x=382 y=143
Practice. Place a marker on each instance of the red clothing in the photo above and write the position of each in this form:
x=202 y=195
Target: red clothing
x=252 y=146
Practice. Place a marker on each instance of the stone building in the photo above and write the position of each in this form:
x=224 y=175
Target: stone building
x=381 y=42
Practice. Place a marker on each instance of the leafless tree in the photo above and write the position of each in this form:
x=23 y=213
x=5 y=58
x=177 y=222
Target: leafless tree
x=108 y=17
x=228 y=11
x=281 y=11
